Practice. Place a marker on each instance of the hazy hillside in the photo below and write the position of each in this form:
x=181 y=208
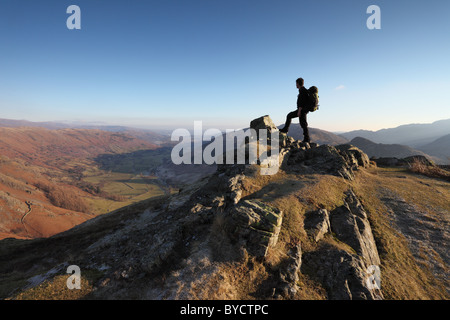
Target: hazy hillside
x=25 y=123
x=50 y=180
x=439 y=148
x=147 y=135
x=413 y=135
x=35 y=205
x=143 y=134
x=40 y=145
x=381 y=150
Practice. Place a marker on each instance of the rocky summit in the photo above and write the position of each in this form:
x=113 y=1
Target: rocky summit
x=325 y=226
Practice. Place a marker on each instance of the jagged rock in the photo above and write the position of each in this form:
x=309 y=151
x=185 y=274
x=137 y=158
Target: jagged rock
x=223 y=188
x=263 y=122
x=203 y=211
x=343 y=275
x=285 y=140
x=354 y=155
x=218 y=201
x=418 y=158
x=234 y=187
x=257 y=226
x=317 y=224
x=342 y=160
x=295 y=157
x=289 y=272
x=351 y=225
x=269 y=153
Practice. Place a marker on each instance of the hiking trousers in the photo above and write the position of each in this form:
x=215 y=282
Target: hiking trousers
x=303 y=122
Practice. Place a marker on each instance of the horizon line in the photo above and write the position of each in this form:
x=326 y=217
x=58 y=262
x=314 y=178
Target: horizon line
x=79 y=122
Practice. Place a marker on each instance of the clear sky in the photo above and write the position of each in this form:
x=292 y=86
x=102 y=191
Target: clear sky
x=225 y=62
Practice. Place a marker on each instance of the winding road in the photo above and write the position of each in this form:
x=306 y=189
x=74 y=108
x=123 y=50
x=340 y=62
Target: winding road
x=28 y=203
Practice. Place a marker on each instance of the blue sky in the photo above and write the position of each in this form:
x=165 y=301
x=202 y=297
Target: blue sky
x=170 y=62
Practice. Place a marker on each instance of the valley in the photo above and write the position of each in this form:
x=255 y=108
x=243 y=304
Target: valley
x=312 y=231
x=52 y=180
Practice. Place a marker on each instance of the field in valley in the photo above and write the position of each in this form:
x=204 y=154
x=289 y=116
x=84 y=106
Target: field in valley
x=52 y=180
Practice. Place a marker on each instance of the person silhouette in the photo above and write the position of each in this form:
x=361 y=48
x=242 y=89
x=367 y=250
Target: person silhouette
x=301 y=111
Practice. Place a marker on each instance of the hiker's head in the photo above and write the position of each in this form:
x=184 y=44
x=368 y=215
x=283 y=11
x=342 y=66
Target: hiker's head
x=299 y=82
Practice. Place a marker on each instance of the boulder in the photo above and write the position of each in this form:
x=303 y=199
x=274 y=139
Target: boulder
x=418 y=158
x=343 y=275
x=317 y=224
x=235 y=189
x=350 y=225
x=263 y=122
x=289 y=273
x=257 y=226
x=353 y=155
x=342 y=160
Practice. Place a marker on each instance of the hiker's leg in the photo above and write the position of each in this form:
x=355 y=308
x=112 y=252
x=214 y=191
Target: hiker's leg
x=304 y=125
x=289 y=117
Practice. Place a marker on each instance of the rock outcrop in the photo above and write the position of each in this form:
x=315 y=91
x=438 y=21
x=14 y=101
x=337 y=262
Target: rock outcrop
x=216 y=217
x=264 y=123
x=346 y=274
x=317 y=224
x=288 y=277
x=254 y=226
x=257 y=226
x=342 y=160
x=343 y=274
x=351 y=225
x=293 y=155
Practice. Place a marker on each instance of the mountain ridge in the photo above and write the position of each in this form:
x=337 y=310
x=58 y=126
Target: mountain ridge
x=439 y=148
x=144 y=134
x=32 y=142
x=384 y=150
x=413 y=135
x=310 y=231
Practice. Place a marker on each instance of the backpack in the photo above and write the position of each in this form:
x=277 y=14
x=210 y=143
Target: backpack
x=313 y=99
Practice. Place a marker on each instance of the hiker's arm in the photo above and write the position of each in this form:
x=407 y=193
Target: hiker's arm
x=299 y=111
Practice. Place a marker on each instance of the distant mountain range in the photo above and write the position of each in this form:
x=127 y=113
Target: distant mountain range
x=432 y=139
x=144 y=134
x=439 y=148
x=382 y=150
x=414 y=135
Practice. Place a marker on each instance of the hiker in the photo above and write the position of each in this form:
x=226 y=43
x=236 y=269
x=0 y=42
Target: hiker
x=301 y=111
